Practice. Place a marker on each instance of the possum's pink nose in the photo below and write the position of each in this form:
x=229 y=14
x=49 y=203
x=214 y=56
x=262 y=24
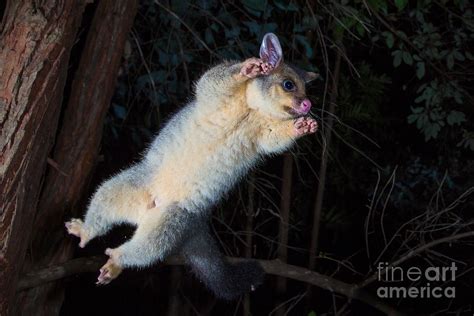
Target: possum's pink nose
x=305 y=106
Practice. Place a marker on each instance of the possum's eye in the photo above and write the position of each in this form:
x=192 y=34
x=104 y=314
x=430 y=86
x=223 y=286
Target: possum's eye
x=289 y=85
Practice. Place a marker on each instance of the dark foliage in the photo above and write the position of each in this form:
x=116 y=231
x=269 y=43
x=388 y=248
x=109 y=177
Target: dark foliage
x=400 y=169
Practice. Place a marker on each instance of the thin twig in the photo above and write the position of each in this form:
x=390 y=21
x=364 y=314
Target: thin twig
x=323 y=168
x=188 y=27
x=415 y=252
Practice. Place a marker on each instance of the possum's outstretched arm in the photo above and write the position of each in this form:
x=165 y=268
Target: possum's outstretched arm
x=226 y=280
x=281 y=136
x=222 y=81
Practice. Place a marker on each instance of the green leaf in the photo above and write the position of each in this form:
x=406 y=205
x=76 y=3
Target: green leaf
x=420 y=121
x=407 y=58
x=379 y=5
x=402 y=34
x=450 y=61
x=397 y=58
x=459 y=56
x=269 y=27
x=455 y=118
x=145 y=80
x=458 y=97
x=208 y=36
x=360 y=29
x=435 y=128
x=389 y=39
x=412 y=118
x=285 y=6
x=253 y=27
x=420 y=69
x=257 y=5
x=119 y=111
x=401 y=4
x=215 y=27
x=304 y=42
x=312 y=313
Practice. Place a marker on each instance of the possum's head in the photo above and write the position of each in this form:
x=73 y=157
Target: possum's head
x=282 y=92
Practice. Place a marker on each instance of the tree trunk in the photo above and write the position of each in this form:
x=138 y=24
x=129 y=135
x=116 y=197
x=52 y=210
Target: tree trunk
x=76 y=148
x=44 y=169
x=35 y=43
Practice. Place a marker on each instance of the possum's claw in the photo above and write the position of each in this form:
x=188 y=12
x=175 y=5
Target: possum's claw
x=75 y=227
x=109 y=271
x=266 y=68
x=305 y=125
x=104 y=277
x=254 y=67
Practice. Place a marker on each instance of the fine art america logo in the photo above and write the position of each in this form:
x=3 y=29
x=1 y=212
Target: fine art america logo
x=427 y=280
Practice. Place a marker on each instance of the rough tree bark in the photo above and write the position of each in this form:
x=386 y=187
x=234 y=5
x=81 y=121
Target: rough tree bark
x=76 y=148
x=35 y=43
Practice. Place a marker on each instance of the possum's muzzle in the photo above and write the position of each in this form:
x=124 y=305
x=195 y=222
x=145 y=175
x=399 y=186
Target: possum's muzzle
x=304 y=107
x=300 y=107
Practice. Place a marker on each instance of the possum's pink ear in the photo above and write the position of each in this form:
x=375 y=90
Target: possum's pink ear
x=270 y=50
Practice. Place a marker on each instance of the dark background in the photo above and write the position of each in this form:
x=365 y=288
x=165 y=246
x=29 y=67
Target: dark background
x=395 y=128
x=378 y=99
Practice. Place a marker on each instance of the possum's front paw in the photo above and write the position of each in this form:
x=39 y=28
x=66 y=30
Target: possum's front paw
x=254 y=67
x=75 y=227
x=305 y=125
x=110 y=270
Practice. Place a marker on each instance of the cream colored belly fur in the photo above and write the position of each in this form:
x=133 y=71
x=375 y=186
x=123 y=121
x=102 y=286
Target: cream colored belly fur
x=213 y=153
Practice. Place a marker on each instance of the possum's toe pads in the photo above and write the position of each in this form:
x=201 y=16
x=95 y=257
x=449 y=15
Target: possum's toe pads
x=254 y=67
x=75 y=227
x=108 y=272
x=305 y=125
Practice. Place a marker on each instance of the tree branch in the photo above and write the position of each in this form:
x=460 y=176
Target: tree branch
x=273 y=267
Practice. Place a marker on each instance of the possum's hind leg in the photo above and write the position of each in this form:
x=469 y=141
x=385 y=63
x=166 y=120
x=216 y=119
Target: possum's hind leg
x=226 y=280
x=76 y=227
x=115 y=202
x=157 y=235
x=97 y=222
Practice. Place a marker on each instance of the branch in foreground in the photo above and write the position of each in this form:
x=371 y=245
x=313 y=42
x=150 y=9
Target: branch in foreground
x=274 y=267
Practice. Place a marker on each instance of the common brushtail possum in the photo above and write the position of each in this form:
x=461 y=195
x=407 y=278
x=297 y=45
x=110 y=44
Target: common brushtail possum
x=241 y=111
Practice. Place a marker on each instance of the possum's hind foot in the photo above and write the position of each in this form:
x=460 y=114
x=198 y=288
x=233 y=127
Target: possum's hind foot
x=76 y=227
x=110 y=270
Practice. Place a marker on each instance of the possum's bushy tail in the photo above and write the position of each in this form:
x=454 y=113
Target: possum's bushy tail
x=226 y=280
